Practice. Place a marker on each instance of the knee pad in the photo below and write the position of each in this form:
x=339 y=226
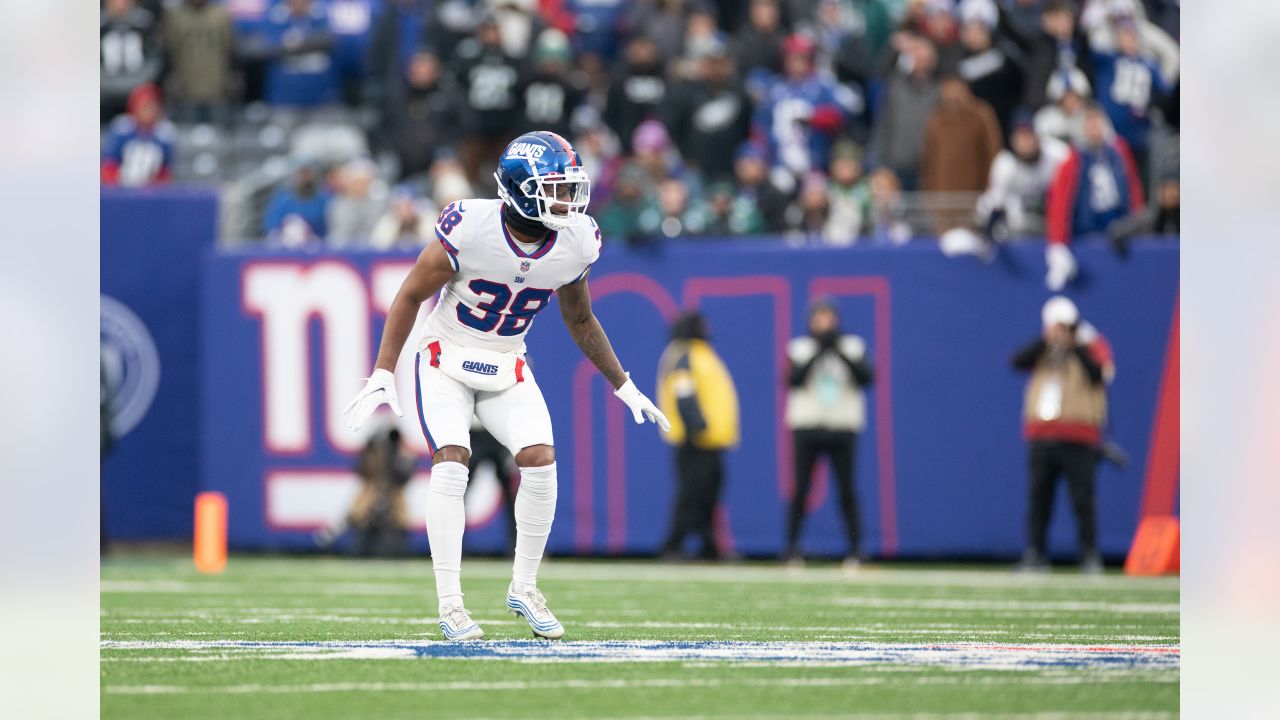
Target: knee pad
x=449 y=479
x=539 y=482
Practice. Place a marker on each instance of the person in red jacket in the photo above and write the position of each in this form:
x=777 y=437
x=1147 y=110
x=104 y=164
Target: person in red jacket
x=1097 y=185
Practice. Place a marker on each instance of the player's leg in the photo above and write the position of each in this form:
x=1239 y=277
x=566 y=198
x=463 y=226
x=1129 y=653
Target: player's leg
x=1080 y=463
x=805 y=450
x=843 y=454
x=710 y=478
x=1042 y=469
x=682 y=509
x=444 y=412
x=518 y=418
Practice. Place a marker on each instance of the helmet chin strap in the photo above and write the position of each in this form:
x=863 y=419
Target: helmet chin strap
x=523 y=225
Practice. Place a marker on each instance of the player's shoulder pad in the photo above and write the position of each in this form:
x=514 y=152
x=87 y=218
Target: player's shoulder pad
x=460 y=221
x=802 y=349
x=853 y=347
x=585 y=240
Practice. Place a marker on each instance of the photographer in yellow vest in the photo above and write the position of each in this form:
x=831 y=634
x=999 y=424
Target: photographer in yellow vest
x=697 y=394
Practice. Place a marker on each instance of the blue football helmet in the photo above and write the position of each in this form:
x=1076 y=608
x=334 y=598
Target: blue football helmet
x=541 y=177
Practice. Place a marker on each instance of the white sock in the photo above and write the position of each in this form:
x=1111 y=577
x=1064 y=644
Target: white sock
x=535 y=509
x=446 y=521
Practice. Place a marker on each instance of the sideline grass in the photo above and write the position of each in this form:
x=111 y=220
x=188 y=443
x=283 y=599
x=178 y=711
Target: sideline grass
x=892 y=637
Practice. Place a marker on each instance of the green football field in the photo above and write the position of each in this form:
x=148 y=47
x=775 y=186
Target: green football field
x=314 y=638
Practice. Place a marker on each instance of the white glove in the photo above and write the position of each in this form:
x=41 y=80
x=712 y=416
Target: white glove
x=1062 y=266
x=381 y=388
x=641 y=406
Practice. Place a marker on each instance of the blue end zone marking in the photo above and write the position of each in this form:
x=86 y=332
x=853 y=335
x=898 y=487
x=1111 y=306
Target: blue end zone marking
x=951 y=655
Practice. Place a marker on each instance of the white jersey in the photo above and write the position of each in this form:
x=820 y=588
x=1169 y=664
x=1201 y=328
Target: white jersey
x=501 y=283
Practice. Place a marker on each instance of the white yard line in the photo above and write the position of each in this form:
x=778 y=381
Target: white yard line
x=345 y=571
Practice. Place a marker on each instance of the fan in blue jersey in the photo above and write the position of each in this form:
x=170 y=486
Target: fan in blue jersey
x=138 y=149
x=495 y=267
x=802 y=111
x=1128 y=81
x=296 y=41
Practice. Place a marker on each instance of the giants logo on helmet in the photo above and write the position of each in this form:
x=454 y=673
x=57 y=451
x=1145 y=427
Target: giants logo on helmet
x=528 y=151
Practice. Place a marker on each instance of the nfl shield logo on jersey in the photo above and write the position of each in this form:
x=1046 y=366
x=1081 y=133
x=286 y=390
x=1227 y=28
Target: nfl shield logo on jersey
x=524 y=266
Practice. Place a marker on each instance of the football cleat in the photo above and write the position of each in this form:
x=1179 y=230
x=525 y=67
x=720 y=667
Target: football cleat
x=531 y=605
x=456 y=624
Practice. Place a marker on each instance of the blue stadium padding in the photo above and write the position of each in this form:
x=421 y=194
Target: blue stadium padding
x=152 y=242
x=941 y=469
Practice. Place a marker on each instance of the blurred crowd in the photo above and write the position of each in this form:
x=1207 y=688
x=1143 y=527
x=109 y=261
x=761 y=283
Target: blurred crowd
x=824 y=121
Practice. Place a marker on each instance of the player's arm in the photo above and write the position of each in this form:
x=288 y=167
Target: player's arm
x=429 y=274
x=586 y=331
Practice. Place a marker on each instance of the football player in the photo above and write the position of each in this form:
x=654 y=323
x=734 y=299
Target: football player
x=496 y=264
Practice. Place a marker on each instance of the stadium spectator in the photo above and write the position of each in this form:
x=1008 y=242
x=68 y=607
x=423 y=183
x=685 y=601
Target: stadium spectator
x=601 y=154
x=758 y=44
x=654 y=151
x=139 y=146
x=351 y=22
x=1129 y=81
x=448 y=180
x=1099 y=18
x=962 y=139
x=701 y=30
x=1014 y=202
x=677 y=213
x=771 y=193
x=850 y=36
x=518 y=25
x=710 y=115
x=490 y=77
x=1059 y=49
x=911 y=90
x=637 y=90
x=295 y=215
x=849 y=196
x=888 y=214
x=594 y=25
x=934 y=21
x=426 y=117
x=406 y=224
x=1063 y=118
x=696 y=392
x=1159 y=218
x=1064 y=411
x=633 y=196
x=199 y=41
x=807 y=217
x=731 y=215
x=550 y=96
x=802 y=111
x=826 y=410
x=993 y=75
x=131 y=54
x=1097 y=185
x=360 y=200
x=399 y=33
x=663 y=22
x=295 y=42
